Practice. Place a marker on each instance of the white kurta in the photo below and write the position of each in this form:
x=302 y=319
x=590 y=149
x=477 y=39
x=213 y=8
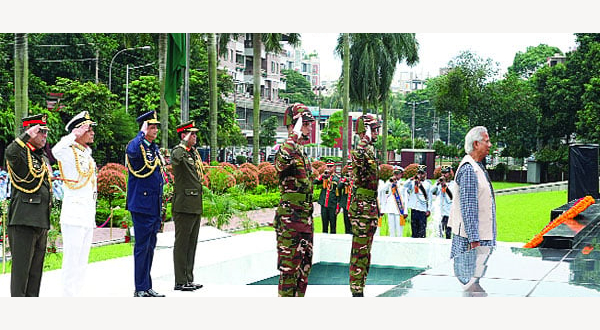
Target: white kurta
x=77 y=216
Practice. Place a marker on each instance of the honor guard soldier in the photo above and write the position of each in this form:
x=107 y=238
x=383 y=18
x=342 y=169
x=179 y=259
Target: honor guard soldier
x=364 y=211
x=187 y=205
x=443 y=188
x=78 y=213
x=418 y=190
x=393 y=203
x=293 y=221
x=29 y=210
x=144 y=199
x=328 y=198
x=345 y=195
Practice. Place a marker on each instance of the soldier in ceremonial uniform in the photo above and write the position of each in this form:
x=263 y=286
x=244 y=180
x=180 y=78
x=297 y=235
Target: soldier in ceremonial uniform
x=444 y=188
x=293 y=221
x=187 y=205
x=144 y=199
x=328 y=198
x=345 y=194
x=364 y=211
x=29 y=210
x=78 y=213
x=418 y=190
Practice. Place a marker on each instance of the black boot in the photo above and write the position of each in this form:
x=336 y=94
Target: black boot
x=357 y=294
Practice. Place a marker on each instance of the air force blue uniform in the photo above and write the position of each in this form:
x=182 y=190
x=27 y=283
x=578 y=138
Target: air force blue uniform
x=144 y=198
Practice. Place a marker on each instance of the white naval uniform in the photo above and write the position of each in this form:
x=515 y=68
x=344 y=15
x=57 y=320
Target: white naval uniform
x=77 y=216
x=390 y=207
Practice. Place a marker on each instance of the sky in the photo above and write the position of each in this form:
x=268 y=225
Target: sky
x=437 y=49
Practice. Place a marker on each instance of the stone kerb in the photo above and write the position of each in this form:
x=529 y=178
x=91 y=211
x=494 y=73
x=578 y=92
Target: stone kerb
x=552 y=186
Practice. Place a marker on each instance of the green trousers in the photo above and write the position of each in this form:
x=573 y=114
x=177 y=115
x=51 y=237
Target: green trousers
x=187 y=227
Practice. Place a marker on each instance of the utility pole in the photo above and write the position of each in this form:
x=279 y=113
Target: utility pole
x=448 y=127
x=97 y=58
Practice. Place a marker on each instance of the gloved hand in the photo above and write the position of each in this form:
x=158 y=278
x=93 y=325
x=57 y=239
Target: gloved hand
x=79 y=131
x=298 y=127
x=33 y=131
x=144 y=128
x=186 y=138
x=368 y=132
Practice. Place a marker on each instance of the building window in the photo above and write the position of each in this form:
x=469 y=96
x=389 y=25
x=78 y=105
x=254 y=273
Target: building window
x=273 y=67
x=231 y=55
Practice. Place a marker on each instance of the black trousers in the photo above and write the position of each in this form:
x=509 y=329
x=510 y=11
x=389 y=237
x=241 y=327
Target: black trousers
x=418 y=223
x=187 y=227
x=329 y=219
x=444 y=229
x=27 y=248
x=347 y=224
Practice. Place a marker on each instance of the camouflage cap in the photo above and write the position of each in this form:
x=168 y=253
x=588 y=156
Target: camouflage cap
x=295 y=109
x=367 y=119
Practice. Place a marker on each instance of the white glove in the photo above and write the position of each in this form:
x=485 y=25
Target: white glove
x=79 y=131
x=186 y=138
x=298 y=126
x=368 y=132
x=144 y=128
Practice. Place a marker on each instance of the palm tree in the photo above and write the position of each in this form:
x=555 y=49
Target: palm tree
x=162 y=69
x=212 y=83
x=346 y=97
x=272 y=43
x=373 y=59
x=21 y=79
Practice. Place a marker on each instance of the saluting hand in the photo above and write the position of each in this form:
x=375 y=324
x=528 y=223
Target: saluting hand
x=79 y=131
x=186 y=138
x=33 y=131
x=298 y=126
x=368 y=132
x=144 y=128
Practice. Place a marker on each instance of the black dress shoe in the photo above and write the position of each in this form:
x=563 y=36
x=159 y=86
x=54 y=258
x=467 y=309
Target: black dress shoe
x=141 y=294
x=357 y=294
x=194 y=285
x=153 y=293
x=184 y=287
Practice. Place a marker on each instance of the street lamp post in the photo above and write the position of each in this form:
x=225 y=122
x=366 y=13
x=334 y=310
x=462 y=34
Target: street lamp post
x=127 y=83
x=318 y=89
x=113 y=59
x=413 y=120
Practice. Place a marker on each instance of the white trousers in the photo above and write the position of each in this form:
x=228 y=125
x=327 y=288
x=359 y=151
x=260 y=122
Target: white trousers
x=77 y=242
x=394 y=225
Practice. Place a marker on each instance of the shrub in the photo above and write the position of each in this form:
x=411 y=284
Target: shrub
x=249 y=166
x=240 y=159
x=267 y=176
x=410 y=170
x=110 y=181
x=259 y=190
x=220 y=180
x=246 y=177
x=385 y=171
x=317 y=164
x=263 y=164
x=437 y=173
x=115 y=167
x=228 y=167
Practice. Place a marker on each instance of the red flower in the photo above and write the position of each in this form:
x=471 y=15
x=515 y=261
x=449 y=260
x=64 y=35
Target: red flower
x=127 y=238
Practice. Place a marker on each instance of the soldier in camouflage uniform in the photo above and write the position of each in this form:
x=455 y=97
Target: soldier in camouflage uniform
x=293 y=221
x=363 y=210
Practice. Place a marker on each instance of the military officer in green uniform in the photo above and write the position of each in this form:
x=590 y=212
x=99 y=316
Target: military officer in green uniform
x=364 y=211
x=29 y=210
x=187 y=205
x=328 y=198
x=293 y=221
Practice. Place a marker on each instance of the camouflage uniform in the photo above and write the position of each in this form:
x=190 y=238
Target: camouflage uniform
x=364 y=212
x=293 y=221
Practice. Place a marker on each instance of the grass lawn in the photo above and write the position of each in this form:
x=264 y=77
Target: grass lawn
x=519 y=216
x=505 y=185
x=53 y=261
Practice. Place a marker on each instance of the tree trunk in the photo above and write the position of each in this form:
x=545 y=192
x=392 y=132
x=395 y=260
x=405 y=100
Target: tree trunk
x=384 y=133
x=212 y=82
x=256 y=61
x=346 y=97
x=21 y=80
x=164 y=108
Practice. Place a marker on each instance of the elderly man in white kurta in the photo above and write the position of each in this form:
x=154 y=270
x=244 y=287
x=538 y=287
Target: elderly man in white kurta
x=77 y=216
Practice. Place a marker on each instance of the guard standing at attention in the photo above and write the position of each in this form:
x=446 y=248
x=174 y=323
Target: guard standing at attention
x=29 y=209
x=293 y=221
x=144 y=199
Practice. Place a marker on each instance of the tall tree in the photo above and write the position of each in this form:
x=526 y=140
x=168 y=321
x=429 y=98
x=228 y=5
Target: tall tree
x=346 y=97
x=162 y=69
x=21 y=79
x=268 y=131
x=272 y=43
x=526 y=63
x=212 y=81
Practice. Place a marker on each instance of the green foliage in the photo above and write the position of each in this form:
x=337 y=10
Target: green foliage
x=298 y=89
x=220 y=180
x=219 y=208
x=268 y=131
x=332 y=130
x=267 y=176
x=144 y=95
x=526 y=63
